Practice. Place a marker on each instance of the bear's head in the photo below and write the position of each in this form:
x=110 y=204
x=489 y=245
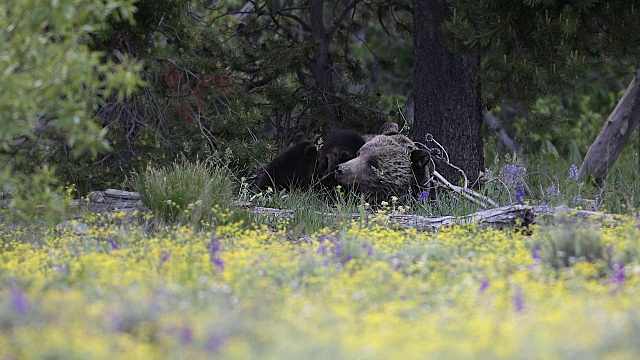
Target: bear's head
x=386 y=165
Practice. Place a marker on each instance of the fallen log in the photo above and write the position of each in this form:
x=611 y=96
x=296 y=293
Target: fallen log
x=505 y=216
x=514 y=215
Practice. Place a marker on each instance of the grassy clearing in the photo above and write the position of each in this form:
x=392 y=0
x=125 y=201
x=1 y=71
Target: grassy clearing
x=238 y=285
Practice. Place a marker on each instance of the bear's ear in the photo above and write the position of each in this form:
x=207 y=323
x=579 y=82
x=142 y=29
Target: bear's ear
x=420 y=158
x=389 y=128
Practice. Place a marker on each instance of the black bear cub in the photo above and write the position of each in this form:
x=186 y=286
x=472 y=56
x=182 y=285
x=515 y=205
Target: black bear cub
x=302 y=165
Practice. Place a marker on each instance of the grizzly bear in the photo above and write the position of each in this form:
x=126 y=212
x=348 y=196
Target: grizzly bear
x=302 y=165
x=387 y=165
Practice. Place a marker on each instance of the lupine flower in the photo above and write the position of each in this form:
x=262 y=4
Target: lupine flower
x=536 y=256
x=337 y=250
x=214 y=249
x=484 y=285
x=510 y=173
x=19 y=302
x=520 y=195
x=576 y=200
x=214 y=246
x=553 y=191
x=164 y=257
x=186 y=336
x=573 y=172
x=544 y=208
x=321 y=238
x=369 y=249
x=322 y=250
x=215 y=341
x=518 y=301
x=113 y=244
x=397 y=263
x=219 y=263
x=423 y=195
x=617 y=274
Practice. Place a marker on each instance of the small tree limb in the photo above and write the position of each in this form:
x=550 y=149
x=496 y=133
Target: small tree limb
x=614 y=134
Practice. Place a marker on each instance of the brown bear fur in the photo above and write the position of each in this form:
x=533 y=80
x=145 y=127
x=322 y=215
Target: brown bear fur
x=387 y=165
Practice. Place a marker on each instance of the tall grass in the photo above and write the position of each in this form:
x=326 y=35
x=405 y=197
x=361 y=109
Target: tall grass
x=185 y=190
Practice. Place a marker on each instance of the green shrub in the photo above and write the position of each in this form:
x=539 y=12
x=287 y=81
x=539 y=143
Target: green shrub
x=569 y=244
x=185 y=190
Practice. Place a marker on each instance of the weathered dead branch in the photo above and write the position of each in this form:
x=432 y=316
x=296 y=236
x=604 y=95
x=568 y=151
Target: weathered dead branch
x=503 y=216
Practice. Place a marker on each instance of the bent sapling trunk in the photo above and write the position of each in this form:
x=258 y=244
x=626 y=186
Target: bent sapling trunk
x=614 y=134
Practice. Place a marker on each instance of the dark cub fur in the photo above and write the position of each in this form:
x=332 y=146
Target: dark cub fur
x=302 y=165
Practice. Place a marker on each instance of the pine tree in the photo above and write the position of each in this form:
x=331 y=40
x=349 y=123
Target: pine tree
x=531 y=48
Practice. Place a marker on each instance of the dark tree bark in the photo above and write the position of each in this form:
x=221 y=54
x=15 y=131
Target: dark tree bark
x=320 y=64
x=614 y=134
x=447 y=92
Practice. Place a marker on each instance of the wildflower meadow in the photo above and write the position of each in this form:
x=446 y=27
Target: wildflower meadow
x=359 y=290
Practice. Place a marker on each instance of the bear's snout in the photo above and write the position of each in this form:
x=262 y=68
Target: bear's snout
x=342 y=173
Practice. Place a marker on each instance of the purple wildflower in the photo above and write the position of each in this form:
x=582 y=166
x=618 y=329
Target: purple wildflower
x=520 y=195
x=423 y=195
x=337 y=250
x=617 y=276
x=397 y=263
x=19 y=302
x=186 y=336
x=215 y=341
x=576 y=200
x=322 y=250
x=113 y=244
x=347 y=259
x=544 y=208
x=321 y=238
x=510 y=173
x=164 y=257
x=214 y=246
x=219 y=263
x=518 y=301
x=609 y=249
x=536 y=256
x=214 y=249
x=369 y=249
x=553 y=191
x=484 y=285
x=573 y=172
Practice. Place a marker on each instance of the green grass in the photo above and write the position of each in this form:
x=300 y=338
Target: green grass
x=243 y=285
x=185 y=191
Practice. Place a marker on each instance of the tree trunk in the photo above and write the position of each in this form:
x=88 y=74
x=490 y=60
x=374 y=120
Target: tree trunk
x=614 y=134
x=447 y=92
x=320 y=64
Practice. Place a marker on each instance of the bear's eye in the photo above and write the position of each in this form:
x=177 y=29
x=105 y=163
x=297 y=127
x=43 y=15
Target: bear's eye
x=372 y=163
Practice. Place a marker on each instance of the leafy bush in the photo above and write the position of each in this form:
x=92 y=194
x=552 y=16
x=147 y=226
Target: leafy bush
x=51 y=84
x=185 y=189
x=570 y=244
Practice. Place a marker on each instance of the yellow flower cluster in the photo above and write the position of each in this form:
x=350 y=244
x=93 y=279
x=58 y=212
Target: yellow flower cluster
x=362 y=291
